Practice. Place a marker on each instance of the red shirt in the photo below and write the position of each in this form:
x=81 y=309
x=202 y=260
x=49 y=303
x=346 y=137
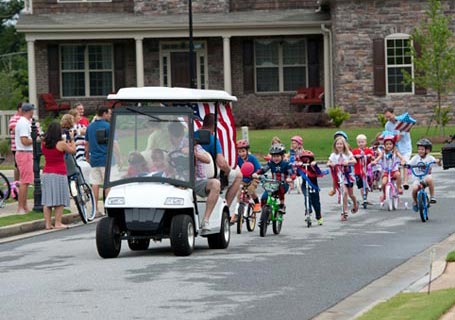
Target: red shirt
x=55 y=160
x=83 y=121
x=366 y=151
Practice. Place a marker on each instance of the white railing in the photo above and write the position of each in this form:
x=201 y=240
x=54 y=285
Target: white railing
x=5 y=116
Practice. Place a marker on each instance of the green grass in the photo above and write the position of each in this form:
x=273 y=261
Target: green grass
x=319 y=140
x=451 y=257
x=21 y=218
x=413 y=306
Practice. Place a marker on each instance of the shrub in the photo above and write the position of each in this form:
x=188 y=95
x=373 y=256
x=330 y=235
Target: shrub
x=382 y=120
x=337 y=115
x=5 y=147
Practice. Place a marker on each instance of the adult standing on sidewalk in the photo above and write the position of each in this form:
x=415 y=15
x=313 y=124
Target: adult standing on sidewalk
x=55 y=193
x=404 y=142
x=83 y=121
x=24 y=154
x=12 y=128
x=95 y=152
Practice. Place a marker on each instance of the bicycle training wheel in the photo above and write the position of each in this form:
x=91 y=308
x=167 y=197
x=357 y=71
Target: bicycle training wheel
x=263 y=222
x=5 y=188
x=250 y=219
x=240 y=211
x=423 y=209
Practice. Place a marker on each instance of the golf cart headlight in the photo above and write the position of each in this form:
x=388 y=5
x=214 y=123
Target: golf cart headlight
x=116 y=201
x=172 y=201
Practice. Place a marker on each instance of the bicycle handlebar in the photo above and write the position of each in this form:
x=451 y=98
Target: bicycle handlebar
x=424 y=166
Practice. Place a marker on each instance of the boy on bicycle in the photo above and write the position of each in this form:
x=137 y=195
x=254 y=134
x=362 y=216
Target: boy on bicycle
x=281 y=170
x=424 y=147
x=244 y=156
x=365 y=153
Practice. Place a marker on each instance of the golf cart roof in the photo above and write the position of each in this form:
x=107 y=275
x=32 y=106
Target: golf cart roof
x=171 y=94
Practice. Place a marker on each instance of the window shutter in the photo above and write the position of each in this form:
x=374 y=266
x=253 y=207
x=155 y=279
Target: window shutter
x=419 y=90
x=379 y=67
x=119 y=66
x=53 y=70
x=248 y=66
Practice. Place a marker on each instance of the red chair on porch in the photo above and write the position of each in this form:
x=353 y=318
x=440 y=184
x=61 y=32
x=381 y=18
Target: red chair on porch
x=47 y=101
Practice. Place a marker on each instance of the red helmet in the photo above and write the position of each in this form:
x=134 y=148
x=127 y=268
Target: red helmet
x=390 y=138
x=306 y=155
x=297 y=139
x=247 y=169
x=243 y=144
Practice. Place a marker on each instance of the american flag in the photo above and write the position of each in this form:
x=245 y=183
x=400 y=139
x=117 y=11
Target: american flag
x=226 y=127
x=404 y=122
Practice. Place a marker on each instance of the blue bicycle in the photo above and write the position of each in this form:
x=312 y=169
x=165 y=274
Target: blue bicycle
x=420 y=170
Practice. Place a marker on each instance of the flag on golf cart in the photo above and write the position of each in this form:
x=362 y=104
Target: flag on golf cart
x=405 y=122
x=226 y=127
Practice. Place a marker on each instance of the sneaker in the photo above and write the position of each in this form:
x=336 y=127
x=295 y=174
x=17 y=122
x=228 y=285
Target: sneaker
x=332 y=193
x=205 y=226
x=257 y=207
x=415 y=207
x=320 y=221
x=344 y=216
x=433 y=200
x=282 y=209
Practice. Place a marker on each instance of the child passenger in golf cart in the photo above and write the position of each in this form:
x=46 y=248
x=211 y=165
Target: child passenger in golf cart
x=281 y=170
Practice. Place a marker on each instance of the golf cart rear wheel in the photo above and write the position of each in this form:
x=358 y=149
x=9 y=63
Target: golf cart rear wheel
x=182 y=235
x=221 y=240
x=108 y=240
x=138 y=244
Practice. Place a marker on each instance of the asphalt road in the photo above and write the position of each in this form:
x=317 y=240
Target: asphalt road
x=295 y=275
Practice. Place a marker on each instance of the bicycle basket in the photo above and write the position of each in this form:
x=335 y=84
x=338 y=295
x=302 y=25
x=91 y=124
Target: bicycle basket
x=271 y=186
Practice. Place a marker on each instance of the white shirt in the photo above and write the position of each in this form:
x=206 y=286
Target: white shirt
x=23 y=129
x=418 y=159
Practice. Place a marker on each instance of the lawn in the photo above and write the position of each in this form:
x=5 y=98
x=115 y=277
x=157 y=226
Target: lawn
x=319 y=140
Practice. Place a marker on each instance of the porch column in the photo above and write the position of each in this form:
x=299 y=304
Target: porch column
x=32 y=97
x=139 y=63
x=227 y=64
x=328 y=100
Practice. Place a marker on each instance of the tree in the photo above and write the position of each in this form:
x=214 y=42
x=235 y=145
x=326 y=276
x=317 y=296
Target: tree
x=434 y=57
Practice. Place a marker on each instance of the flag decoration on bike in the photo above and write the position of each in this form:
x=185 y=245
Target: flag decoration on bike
x=404 y=122
x=225 y=130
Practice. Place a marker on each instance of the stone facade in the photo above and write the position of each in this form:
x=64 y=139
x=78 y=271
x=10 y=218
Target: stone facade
x=160 y=7
x=247 y=5
x=53 y=6
x=355 y=25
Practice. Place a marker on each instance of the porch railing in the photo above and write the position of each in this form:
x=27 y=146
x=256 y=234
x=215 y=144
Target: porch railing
x=5 y=116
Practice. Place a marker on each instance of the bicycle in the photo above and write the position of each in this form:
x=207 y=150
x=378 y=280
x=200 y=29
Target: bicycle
x=366 y=177
x=80 y=190
x=245 y=211
x=423 y=201
x=270 y=212
x=340 y=173
x=391 y=196
x=5 y=187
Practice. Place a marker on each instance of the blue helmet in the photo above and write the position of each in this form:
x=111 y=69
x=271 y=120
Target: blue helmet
x=342 y=134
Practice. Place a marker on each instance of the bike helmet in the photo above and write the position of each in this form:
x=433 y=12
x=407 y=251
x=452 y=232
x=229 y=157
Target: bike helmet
x=425 y=143
x=247 y=169
x=277 y=148
x=297 y=139
x=389 y=138
x=243 y=144
x=307 y=155
x=342 y=134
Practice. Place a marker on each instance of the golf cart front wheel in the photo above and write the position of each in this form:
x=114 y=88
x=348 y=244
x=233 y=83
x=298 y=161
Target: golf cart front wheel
x=182 y=235
x=108 y=241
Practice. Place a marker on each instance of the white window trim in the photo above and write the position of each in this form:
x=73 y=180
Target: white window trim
x=397 y=36
x=198 y=52
x=86 y=69
x=280 y=68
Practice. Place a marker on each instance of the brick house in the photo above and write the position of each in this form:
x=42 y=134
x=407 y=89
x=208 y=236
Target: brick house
x=261 y=51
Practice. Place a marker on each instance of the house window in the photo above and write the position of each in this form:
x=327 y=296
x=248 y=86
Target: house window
x=86 y=70
x=280 y=65
x=398 y=58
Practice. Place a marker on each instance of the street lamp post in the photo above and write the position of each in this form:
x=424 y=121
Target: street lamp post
x=191 y=45
x=37 y=206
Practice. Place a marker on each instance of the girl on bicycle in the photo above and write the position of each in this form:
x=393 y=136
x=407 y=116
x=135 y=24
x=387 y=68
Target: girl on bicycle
x=342 y=156
x=424 y=147
x=390 y=161
x=337 y=134
x=244 y=156
x=310 y=176
x=362 y=151
x=281 y=170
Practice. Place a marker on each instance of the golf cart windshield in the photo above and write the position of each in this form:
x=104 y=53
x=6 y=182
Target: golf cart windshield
x=151 y=144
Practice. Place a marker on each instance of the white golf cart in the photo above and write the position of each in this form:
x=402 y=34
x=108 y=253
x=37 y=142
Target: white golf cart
x=151 y=172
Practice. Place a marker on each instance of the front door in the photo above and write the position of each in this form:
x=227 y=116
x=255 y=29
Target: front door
x=180 y=69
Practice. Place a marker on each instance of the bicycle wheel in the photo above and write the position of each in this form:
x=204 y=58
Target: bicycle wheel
x=240 y=212
x=277 y=223
x=89 y=201
x=388 y=197
x=76 y=193
x=5 y=189
x=250 y=219
x=263 y=222
x=422 y=206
